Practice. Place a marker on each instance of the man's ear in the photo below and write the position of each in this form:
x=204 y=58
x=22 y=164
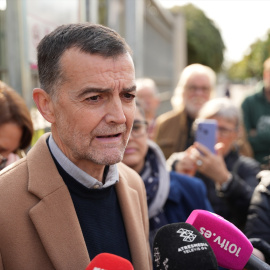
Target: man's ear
x=44 y=104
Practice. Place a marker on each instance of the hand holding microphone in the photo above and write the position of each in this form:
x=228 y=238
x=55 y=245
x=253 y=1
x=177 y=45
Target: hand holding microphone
x=232 y=248
x=107 y=261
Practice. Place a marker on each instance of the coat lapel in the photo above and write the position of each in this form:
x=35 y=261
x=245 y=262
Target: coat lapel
x=133 y=214
x=54 y=216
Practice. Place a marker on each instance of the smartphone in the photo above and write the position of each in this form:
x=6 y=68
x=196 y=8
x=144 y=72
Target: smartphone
x=206 y=133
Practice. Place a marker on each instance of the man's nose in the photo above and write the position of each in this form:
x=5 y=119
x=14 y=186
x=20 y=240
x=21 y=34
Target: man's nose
x=116 y=112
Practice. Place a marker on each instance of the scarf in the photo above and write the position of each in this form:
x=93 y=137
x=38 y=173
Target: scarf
x=157 y=183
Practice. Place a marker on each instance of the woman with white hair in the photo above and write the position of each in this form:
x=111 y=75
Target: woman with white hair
x=229 y=177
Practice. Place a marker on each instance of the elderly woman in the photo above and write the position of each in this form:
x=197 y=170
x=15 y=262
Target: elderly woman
x=171 y=197
x=229 y=177
x=16 y=128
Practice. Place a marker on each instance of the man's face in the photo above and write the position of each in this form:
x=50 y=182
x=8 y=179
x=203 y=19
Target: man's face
x=94 y=108
x=148 y=100
x=196 y=92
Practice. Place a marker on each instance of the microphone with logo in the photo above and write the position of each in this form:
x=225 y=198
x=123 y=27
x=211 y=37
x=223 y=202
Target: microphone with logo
x=232 y=248
x=181 y=246
x=107 y=261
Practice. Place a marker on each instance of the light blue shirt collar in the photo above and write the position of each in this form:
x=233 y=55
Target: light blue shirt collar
x=78 y=174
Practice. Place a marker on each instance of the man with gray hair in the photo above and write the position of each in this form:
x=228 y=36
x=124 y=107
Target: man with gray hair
x=173 y=129
x=71 y=198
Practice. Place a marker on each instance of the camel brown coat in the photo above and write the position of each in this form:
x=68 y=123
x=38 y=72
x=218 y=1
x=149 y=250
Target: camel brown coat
x=171 y=132
x=39 y=228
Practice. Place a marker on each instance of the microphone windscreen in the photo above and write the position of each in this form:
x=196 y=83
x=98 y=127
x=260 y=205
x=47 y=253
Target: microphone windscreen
x=230 y=245
x=181 y=246
x=107 y=261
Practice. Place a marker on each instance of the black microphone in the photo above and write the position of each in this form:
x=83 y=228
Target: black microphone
x=181 y=246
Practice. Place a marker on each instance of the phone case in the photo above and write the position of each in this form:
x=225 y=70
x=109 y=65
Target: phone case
x=206 y=133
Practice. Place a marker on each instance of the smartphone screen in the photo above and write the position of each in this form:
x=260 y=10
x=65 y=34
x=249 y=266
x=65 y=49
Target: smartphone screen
x=206 y=133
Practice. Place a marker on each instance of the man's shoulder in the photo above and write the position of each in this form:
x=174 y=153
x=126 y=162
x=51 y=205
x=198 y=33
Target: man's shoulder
x=129 y=176
x=127 y=172
x=13 y=181
x=168 y=117
x=256 y=95
x=14 y=170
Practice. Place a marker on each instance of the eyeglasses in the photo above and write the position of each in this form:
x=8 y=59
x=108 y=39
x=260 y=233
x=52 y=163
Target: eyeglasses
x=225 y=131
x=3 y=162
x=139 y=128
x=194 y=88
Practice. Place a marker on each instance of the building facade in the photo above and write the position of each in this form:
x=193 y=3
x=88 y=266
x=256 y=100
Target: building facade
x=157 y=38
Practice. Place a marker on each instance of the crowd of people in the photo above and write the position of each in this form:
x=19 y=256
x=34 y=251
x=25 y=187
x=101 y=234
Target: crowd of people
x=111 y=172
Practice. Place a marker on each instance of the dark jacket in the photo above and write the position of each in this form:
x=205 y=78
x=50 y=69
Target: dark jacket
x=233 y=202
x=186 y=194
x=258 y=221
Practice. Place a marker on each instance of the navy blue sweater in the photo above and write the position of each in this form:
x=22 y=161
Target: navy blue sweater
x=100 y=217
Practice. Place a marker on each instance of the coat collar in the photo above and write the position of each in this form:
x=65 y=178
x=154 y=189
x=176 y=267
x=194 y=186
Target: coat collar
x=55 y=219
x=54 y=215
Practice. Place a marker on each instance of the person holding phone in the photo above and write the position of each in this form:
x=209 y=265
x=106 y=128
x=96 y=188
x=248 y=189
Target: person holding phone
x=230 y=178
x=171 y=196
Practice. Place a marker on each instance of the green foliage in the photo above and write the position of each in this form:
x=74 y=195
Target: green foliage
x=205 y=44
x=251 y=66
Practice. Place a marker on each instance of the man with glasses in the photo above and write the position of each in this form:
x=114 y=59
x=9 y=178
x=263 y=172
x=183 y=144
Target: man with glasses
x=173 y=129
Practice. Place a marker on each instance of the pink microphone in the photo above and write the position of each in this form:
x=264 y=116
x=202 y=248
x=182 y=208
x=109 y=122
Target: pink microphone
x=232 y=248
x=107 y=261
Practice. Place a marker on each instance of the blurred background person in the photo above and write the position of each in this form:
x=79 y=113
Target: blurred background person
x=171 y=197
x=227 y=92
x=173 y=132
x=256 y=113
x=148 y=95
x=230 y=178
x=258 y=221
x=173 y=129
x=16 y=127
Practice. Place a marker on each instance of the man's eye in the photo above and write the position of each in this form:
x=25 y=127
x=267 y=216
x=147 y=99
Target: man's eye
x=93 y=98
x=129 y=96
